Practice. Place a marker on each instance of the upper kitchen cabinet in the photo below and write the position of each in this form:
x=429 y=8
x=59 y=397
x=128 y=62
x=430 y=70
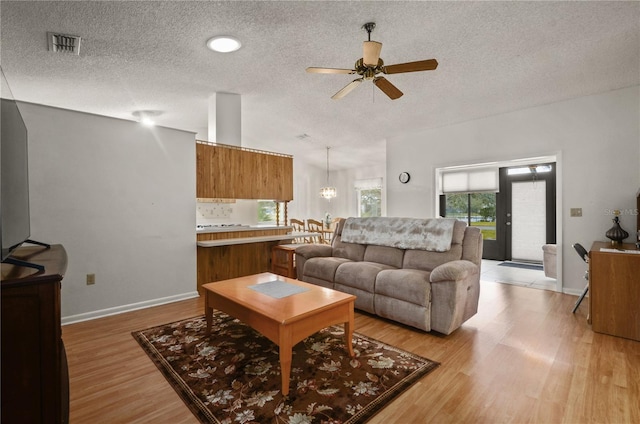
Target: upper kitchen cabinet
x=238 y=173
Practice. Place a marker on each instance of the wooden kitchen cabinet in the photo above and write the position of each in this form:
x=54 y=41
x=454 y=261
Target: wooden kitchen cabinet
x=230 y=260
x=237 y=173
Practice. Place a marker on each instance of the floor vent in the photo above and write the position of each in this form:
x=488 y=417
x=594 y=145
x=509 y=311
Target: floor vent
x=63 y=43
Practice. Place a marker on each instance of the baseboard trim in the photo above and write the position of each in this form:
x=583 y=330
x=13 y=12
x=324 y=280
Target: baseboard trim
x=571 y=291
x=126 y=308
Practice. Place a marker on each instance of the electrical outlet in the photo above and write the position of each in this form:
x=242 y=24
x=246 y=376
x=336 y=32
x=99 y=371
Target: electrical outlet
x=91 y=279
x=576 y=212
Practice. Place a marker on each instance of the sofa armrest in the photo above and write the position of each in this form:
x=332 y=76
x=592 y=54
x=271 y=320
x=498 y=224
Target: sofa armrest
x=453 y=271
x=309 y=251
x=455 y=291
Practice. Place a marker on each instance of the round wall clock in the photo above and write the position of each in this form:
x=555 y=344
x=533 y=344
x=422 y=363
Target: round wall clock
x=404 y=177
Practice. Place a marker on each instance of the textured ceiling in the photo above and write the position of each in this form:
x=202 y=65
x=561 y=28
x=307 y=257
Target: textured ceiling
x=494 y=57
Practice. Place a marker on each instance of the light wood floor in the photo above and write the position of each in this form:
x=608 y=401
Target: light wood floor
x=524 y=358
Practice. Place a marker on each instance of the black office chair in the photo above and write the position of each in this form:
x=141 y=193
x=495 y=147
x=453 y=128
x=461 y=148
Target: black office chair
x=585 y=257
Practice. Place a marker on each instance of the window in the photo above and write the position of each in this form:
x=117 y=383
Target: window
x=370 y=202
x=369 y=197
x=469 y=195
x=532 y=169
x=266 y=212
x=476 y=209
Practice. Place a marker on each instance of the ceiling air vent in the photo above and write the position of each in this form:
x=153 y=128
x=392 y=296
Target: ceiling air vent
x=63 y=43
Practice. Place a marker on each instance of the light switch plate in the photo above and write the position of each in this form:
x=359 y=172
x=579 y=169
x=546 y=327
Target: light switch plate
x=576 y=212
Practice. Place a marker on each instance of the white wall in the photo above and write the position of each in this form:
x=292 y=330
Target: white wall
x=309 y=179
x=346 y=204
x=596 y=137
x=307 y=182
x=120 y=197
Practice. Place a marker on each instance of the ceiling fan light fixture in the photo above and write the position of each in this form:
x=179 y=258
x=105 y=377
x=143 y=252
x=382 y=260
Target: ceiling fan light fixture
x=370 y=65
x=224 y=44
x=371 y=53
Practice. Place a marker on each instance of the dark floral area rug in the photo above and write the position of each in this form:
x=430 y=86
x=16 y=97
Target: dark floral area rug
x=234 y=375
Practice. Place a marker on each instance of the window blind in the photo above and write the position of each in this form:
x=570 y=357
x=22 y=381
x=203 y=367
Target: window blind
x=368 y=184
x=470 y=180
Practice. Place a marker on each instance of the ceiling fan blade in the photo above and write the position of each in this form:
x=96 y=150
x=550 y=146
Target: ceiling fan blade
x=389 y=89
x=347 y=89
x=421 y=65
x=371 y=53
x=312 y=70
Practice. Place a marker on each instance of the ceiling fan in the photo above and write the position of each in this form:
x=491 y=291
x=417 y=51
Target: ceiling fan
x=370 y=65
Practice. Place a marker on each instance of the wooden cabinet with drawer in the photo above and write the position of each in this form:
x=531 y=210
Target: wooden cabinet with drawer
x=614 y=289
x=35 y=379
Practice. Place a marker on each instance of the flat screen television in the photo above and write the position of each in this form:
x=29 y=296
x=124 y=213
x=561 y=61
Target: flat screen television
x=14 y=175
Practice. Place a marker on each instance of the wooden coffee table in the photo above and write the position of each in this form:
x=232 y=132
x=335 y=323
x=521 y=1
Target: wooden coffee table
x=284 y=321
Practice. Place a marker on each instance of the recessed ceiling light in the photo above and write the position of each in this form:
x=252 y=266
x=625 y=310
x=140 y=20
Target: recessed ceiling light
x=147 y=121
x=224 y=44
x=146 y=116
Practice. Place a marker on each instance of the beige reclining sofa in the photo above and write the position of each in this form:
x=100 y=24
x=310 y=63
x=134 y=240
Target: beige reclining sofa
x=420 y=272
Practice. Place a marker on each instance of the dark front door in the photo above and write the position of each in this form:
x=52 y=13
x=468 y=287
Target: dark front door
x=526 y=217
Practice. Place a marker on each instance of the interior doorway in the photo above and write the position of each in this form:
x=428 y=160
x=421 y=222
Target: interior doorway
x=498 y=236
x=518 y=218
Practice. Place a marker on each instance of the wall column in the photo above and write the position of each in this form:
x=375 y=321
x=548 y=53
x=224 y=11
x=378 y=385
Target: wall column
x=225 y=119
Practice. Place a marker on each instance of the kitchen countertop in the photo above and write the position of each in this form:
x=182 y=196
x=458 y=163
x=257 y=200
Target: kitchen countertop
x=259 y=239
x=236 y=228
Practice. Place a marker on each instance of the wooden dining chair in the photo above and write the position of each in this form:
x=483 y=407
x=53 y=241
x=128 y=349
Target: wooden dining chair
x=315 y=226
x=298 y=227
x=330 y=229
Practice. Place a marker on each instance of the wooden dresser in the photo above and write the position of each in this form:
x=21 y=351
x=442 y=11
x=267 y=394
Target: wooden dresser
x=35 y=381
x=614 y=290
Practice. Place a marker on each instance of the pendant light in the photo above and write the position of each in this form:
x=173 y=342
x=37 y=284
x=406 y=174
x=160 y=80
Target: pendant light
x=328 y=192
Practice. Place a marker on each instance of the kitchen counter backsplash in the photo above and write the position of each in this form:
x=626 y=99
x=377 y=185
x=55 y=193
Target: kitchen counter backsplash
x=213 y=211
x=240 y=212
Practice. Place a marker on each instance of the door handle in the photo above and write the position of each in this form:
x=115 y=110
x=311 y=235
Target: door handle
x=508 y=223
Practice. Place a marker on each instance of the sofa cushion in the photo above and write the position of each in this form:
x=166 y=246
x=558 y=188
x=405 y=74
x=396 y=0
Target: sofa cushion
x=323 y=268
x=427 y=261
x=351 y=251
x=404 y=312
x=472 y=245
x=458 y=232
x=364 y=299
x=410 y=285
x=384 y=255
x=361 y=275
